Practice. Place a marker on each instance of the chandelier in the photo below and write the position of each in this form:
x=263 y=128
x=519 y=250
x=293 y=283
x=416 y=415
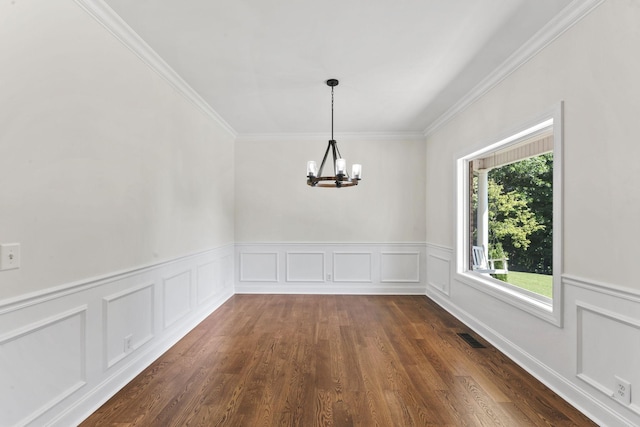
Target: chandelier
x=341 y=178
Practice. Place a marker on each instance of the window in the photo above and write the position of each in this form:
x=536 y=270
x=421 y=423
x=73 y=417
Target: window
x=509 y=217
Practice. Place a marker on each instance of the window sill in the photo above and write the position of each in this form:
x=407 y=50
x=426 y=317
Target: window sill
x=527 y=301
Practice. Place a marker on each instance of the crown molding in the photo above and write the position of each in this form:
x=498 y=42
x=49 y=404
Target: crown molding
x=106 y=16
x=567 y=18
x=324 y=136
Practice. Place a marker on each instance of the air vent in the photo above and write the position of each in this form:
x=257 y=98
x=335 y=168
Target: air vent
x=471 y=340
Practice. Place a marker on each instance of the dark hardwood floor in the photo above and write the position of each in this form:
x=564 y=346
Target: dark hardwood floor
x=301 y=360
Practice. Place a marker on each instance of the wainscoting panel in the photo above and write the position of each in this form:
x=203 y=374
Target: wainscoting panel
x=177 y=297
x=331 y=268
x=259 y=267
x=400 y=267
x=41 y=364
x=227 y=277
x=608 y=347
x=605 y=319
x=208 y=280
x=352 y=267
x=128 y=321
x=305 y=266
x=439 y=264
x=599 y=339
x=64 y=352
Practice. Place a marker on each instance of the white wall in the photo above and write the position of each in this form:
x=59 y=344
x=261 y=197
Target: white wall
x=387 y=206
x=103 y=165
x=368 y=239
x=594 y=68
x=110 y=181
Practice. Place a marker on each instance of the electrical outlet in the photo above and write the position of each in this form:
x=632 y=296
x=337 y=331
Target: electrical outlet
x=328 y=277
x=622 y=391
x=9 y=256
x=128 y=345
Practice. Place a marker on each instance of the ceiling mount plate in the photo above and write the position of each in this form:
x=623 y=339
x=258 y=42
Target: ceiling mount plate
x=332 y=82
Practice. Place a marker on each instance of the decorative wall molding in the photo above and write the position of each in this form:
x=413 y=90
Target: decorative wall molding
x=259 y=267
x=596 y=317
x=400 y=267
x=102 y=13
x=206 y=278
x=603 y=288
x=567 y=18
x=352 y=266
x=100 y=333
x=29 y=391
x=439 y=265
x=127 y=313
x=84 y=318
x=177 y=297
x=322 y=136
x=332 y=268
x=563 y=385
x=305 y=266
x=22 y=302
x=599 y=328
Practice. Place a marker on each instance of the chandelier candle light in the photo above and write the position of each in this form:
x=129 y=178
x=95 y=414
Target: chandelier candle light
x=341 y=178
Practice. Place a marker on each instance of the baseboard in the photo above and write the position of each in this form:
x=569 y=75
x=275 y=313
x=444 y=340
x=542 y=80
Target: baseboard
x=331 y=268
x=89 y=403
x=100 y=333
x=72 y=348
x=597 y=316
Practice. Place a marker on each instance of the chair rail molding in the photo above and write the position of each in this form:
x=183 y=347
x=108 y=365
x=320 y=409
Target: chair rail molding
x=331 y=268
x=596 y=315
x=100 y=333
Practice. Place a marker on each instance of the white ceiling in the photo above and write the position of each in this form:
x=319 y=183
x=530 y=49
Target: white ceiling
x=262 y=64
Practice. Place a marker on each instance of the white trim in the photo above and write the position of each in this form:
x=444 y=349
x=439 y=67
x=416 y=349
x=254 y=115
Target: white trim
x=439 y=247
x=446 y=290
x=328 y=244
x=324 y=136
x=339 y=288
x=566 y=19
x=166 y=303
x=539 y=306
x=621 y=292
x=372 y=284
x=104 y=379
x=114 y=381
x=288 y=264
x=199 y=299
x=106 y=16
x=269 y=280
x=38 y=297
x=444 y=254
x=392 y=280
x=39 y=325
x=634 y=323
x=106 y=301
x=368 y=280
x=581 y=400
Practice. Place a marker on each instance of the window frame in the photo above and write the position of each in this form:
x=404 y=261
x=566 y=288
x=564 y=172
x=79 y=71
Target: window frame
x=549 y=309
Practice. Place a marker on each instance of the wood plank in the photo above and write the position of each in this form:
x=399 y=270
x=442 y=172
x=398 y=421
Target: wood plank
x=303 y=360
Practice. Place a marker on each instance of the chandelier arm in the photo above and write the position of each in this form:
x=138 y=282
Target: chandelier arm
x=338 y=177
x=333 y=152
x=324 y=159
